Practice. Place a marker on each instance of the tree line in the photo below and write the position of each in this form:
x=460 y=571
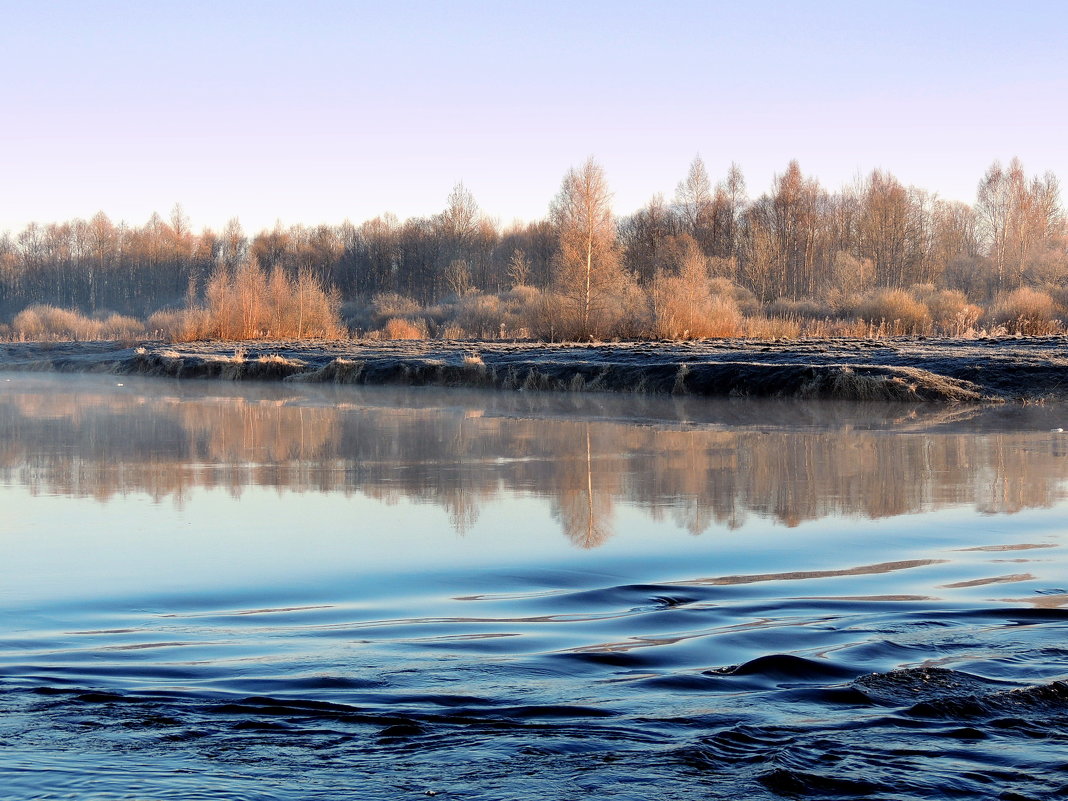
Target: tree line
x=691 y=265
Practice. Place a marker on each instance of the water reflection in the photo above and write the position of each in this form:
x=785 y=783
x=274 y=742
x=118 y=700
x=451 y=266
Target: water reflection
x=698 y=463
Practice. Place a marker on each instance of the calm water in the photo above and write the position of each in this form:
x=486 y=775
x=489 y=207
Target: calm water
x=210 y=591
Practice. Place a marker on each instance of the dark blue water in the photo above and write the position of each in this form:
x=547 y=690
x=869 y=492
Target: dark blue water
x=220 y=592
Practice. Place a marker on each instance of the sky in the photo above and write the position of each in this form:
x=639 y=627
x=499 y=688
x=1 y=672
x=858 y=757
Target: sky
x=318 y=111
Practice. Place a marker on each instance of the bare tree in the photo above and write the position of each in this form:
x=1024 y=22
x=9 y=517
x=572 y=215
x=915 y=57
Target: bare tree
x=519 y=268
x=588 y=275
x=233 y=248
x=458 y=277
x=461 y=216
x=644 y=237
x=787 y=238
x=1018 y=219
x=694 y=201
x=884 y=229
x=727 y=207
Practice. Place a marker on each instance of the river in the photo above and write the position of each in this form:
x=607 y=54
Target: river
x=220 y=591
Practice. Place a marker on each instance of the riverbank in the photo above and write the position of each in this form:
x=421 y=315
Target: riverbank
x=904 y=369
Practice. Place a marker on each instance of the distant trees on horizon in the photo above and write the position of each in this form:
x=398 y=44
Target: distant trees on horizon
x=684 y=267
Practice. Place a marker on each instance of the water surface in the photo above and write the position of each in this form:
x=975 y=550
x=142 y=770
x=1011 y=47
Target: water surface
x=278 y=592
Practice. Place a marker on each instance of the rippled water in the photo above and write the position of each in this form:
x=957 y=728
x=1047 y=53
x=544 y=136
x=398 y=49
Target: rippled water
x=210 y=591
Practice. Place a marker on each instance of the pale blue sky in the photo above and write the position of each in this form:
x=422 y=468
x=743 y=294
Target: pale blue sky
x=320 y=111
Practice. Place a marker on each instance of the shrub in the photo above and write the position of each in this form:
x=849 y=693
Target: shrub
x=247 y=304
x=684 y=307
x=950 y=311
x=724 y=318
x=531 y=315
x=1060 y=297
x=843 y=303
x=637 y=316
x=896 y=312
x=1026 y=311
x=745 y=300
x=542 y=314
x=119 y=326
x=610 y=312
x=392 y=304
x=480 y=316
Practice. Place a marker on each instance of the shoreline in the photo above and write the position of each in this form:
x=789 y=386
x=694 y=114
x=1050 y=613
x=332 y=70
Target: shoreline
x=940 y=370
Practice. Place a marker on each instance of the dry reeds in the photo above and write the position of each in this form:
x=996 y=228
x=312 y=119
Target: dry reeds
x=42 y=322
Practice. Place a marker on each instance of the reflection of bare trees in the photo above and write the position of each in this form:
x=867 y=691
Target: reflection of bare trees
x=99 y=444
x=582 y=504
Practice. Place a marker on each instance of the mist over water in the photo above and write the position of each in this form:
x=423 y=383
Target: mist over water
x=268 y=592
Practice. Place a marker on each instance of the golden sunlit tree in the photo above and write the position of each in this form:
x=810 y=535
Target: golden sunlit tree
x=589 y=281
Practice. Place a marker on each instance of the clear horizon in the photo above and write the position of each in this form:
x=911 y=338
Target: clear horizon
x=336 y=111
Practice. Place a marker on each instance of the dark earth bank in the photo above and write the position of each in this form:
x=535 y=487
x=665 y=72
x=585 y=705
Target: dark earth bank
x=901 y=369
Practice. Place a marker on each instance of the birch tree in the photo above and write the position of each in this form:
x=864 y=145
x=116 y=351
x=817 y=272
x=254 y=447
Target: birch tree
x=588 y=277
x=694 y=202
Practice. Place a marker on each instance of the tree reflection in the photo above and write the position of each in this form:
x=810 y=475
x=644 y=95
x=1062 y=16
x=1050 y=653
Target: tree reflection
x=103 y=443
x=581 y=504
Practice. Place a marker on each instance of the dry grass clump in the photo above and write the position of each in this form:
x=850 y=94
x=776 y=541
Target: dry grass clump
x=398 y=328
x=1026 y=311
x=42 y=322
x=896 y=312
x=761 y=327
x=886 y=384
x=277 y=358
